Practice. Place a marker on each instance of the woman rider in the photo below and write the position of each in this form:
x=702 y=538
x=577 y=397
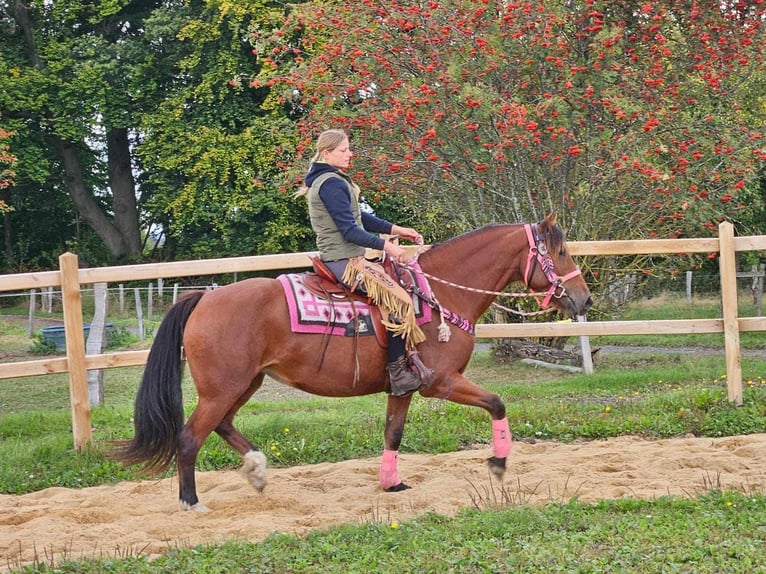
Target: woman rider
x=344 y=232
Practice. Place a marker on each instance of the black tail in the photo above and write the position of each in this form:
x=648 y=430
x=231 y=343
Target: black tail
x=158 y=414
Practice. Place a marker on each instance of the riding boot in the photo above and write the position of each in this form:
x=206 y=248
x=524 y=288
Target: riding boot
x=403 y=380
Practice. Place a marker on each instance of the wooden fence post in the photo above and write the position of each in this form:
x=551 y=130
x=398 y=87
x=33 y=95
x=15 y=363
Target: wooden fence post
x=49 y=300
x=728 y=271
x=139 y=314
x=757 y=288
x=149 y=301
x=688 y=287
x=584 y=342
x=75 y=350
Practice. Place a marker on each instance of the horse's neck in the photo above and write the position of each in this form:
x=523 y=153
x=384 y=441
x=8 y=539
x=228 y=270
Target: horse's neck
x=483 y=260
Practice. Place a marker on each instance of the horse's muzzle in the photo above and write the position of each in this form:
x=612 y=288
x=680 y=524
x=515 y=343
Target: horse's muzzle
x=574 y=306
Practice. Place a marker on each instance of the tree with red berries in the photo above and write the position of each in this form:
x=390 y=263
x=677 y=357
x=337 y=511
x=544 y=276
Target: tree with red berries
x=633 y=120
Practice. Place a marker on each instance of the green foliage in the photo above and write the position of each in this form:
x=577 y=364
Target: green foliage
x=62 y=72
x=627 y=121
x=167 y=77
x=211 y=154
x=119 y=337
x=41 y=346
x=631 y=122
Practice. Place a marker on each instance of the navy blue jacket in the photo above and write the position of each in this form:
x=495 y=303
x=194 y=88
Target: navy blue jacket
x=334 y=193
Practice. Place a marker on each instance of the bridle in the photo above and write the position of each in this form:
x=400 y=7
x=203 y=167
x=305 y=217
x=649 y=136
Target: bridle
x=538 y=254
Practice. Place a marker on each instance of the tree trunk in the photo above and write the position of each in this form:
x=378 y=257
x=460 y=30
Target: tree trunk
x=21 y=15
x=84 y=201
x=123 y=189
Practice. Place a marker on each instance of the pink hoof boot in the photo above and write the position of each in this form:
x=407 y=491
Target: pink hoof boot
x=389 y=475
x=501 y=438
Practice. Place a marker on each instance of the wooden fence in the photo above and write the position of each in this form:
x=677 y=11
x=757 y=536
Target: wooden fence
x=77 y=363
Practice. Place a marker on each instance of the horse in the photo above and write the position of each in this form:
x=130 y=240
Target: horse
x=235 y=335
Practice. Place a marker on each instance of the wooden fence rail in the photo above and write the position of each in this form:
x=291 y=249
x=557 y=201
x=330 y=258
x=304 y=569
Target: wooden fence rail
x=77 y=363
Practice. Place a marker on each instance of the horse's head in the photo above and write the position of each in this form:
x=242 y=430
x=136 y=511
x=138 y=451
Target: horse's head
x=550 y=269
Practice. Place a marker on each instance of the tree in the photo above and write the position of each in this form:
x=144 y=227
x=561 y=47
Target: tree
x=130 y=120
x=64 y=68
x=632 y=119
x=212 y=148
x=7 y=162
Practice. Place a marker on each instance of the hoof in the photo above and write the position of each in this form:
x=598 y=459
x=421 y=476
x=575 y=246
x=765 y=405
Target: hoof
x=254 y=469
x=398 y=488
x=197 y=507
x=497 y=466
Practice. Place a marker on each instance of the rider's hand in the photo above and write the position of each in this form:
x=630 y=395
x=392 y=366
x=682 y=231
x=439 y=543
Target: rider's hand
x=396 y=252
x=407 y=233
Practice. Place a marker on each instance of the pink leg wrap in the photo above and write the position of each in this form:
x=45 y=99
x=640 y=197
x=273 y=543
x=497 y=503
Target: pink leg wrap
x=389 y=476
x=501 y=438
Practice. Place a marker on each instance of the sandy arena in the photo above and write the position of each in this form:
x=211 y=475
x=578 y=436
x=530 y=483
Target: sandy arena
x=133 y=518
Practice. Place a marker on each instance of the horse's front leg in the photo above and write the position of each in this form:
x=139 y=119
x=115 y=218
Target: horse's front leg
x=396 y=413
x=459 y=389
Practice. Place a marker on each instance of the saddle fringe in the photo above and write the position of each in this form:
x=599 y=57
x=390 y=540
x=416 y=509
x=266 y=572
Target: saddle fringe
x=393 y=300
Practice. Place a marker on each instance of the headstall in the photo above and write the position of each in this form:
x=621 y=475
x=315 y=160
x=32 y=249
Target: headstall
x=538 y=254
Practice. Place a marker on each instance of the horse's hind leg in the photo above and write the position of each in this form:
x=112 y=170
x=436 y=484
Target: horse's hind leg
x=254 y=461
x=212 y=413
x=195 y=431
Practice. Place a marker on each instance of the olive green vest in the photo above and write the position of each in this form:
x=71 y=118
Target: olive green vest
x=331 y=244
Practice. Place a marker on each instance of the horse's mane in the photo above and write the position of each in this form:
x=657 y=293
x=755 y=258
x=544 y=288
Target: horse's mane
x=467 y=234
x=554 y=237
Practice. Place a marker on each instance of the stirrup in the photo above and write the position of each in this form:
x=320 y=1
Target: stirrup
x=425 y=374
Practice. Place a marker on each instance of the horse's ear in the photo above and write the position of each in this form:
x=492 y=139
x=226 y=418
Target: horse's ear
x=550 y=220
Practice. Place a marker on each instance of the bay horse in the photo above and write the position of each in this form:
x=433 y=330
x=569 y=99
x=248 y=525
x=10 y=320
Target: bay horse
x=233 y=336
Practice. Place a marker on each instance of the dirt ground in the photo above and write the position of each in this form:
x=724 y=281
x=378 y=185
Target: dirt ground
x=133 y=518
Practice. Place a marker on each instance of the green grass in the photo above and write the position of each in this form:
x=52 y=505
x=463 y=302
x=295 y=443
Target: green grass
x=673 y=307
x=637 y=392
x=662 y=396
x=718 y=533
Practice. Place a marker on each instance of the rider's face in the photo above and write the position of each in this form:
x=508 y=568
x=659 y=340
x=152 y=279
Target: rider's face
x=340 y=157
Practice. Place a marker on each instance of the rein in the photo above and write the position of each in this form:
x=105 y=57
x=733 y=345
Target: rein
x=538 y=255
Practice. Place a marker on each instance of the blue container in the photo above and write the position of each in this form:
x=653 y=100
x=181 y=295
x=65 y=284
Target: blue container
x=57 y=335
